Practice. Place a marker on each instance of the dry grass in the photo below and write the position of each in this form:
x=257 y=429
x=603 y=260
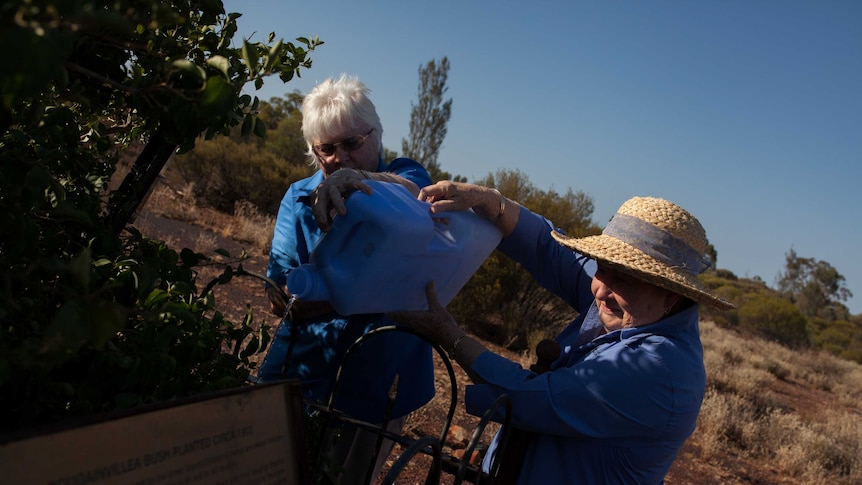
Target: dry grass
x=794 y=411
x=246 y=225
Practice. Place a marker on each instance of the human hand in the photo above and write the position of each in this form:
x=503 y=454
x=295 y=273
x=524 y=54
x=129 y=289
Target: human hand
x=328 y=198
x=299 y=310
x=457 y=196
x=277 y=301
x=435 y=325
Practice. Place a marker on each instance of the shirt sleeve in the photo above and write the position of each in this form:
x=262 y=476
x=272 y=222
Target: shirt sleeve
x=294 y=234
x=612 y=395
x=555 y=267
x=282 y=254
x=411 y=170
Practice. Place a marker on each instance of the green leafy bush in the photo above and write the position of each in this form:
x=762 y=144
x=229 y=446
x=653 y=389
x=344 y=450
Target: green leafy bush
x=93 y=319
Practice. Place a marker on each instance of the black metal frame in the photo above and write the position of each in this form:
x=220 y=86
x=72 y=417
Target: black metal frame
x=429 y=445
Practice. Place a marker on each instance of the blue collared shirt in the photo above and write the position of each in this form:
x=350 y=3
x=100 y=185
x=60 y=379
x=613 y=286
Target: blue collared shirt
x=322 y=342
x=613 y=409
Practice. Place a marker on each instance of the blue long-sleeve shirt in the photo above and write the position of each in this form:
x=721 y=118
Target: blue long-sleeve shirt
x=322 y=342
x=613 y=409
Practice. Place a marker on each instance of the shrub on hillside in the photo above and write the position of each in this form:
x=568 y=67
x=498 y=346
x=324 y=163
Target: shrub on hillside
x=773 y=318
x=224 y=172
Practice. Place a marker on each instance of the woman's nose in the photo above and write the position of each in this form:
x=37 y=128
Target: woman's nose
x=341 y=155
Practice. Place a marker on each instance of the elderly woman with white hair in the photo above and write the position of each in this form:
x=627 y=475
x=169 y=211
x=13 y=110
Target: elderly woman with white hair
x=344 y=138
x=618 y=401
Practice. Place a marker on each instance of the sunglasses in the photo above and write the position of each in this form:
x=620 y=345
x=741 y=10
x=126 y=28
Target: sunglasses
x=355 y=142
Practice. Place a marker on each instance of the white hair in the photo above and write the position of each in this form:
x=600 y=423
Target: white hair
x=336 y=104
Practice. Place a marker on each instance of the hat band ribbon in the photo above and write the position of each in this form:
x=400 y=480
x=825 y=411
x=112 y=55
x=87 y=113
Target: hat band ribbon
x=656 y=243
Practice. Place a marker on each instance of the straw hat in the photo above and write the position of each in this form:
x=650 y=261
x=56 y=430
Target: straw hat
x=655 y=241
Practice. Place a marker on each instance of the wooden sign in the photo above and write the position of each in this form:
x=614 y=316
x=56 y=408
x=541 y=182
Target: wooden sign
x=252 y=435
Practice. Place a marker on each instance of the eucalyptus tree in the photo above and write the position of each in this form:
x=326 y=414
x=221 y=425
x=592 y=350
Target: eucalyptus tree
x=815 y=286
x=429 y=117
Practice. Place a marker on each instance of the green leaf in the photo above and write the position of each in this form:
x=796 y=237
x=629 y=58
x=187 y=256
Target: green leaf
x=156 y=297
x=247 y=124
x=221 y=63
x=226 y=276
x=250 y=56
x=187 y=317
x=250 y=349
x=217 y=100
x=259 y=127
x=189 y=257
x=101 y=262
x=189 y=68
x=274 y=54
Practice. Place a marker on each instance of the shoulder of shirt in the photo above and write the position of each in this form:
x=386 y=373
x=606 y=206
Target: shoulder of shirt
x=403 y=160
x=409 y=169
x=304 y=187
x=400 y=163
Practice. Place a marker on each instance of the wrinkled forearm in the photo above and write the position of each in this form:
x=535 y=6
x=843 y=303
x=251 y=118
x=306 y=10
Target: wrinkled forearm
x=393 y=178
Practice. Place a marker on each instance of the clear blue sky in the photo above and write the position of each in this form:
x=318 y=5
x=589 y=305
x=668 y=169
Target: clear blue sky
x=748 y=114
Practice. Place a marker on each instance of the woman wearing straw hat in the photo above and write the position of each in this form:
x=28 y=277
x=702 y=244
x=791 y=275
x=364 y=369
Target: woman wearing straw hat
x=623 y=395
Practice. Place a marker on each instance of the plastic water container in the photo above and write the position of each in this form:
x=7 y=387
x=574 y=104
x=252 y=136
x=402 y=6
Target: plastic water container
x=379 y=256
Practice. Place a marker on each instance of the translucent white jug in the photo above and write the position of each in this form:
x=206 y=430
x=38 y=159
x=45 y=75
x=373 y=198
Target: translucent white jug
x=379 y=256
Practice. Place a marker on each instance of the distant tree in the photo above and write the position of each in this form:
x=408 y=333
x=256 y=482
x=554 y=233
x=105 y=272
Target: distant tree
x=285 y=138
x=276 y=109
x=815 y=286
x=428 y=118
x=571 y=211
x=389 y=154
